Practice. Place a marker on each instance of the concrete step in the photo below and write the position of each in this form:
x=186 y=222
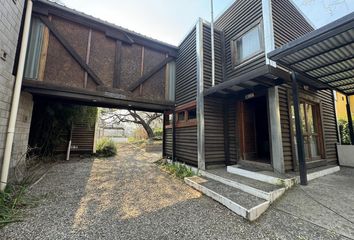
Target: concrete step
x=275 y=180
x=242 y=203
x=286 y=181
x=254 y=187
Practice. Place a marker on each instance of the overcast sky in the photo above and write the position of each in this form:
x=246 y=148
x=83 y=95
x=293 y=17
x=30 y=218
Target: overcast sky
x=170 y=20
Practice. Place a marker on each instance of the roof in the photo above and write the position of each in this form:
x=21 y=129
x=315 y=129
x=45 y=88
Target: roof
x=325 y=55
x=102 y=22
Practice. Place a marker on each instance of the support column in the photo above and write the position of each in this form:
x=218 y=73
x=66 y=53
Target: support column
x=276 y=143
x=164 y=134
x=299 y=135
x=350 y=121
x=174 y=136
x=200 y=96
x=226 y=134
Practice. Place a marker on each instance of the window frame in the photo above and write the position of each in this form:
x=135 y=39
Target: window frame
x=233 y=44
x=312 y=100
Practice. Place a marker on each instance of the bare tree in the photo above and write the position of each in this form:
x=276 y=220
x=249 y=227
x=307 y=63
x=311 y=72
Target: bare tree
x=144 y=119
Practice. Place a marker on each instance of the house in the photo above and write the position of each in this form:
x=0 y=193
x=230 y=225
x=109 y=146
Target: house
x=248 y=106
x=246 y=117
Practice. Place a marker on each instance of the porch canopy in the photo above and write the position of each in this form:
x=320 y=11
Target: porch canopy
x=323 y=58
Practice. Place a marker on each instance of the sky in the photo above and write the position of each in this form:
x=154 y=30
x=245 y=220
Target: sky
x=170 y=20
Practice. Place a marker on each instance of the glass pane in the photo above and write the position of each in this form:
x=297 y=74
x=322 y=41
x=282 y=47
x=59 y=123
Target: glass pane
x=314 y=146
x=181 y=116
x=306 y=147
x=34 y=49
x=303 y=120
x=311 y=118
x=192 y=114
x=248 y=44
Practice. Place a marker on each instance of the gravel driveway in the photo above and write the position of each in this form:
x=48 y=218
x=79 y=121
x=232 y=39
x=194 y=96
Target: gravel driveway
x=128 y=197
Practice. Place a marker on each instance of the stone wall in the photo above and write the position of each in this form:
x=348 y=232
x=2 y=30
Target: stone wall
x=10 y=22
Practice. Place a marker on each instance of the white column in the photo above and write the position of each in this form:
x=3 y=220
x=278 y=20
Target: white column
x=275 y=137
x=200 y=96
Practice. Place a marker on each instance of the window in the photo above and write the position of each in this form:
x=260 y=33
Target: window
x=311 y=129
x=248 y=45
x=34 y=49
x=168 y=119
x=192 y=114
x=181 y=116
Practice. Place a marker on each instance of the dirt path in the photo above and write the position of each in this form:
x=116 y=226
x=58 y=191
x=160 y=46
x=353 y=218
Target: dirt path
x=128 y=197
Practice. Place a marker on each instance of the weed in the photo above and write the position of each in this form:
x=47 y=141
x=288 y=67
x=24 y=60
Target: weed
x=178 y=170
x=106 y=147
x=12 y=201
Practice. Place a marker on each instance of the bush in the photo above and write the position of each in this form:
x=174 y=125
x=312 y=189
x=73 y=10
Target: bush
x=344 y=132
x=106 y=147
x=158 y=132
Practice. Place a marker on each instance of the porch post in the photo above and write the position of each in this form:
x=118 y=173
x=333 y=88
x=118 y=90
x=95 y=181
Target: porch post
x=299 y=135
x=276 y=143
x=350 y=121
x=174 y=136
x=200 y=96
x=163 y=134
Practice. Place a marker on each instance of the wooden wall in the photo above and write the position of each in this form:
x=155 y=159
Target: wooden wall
x=116 y=63
x=186 y=70
x=328 y=118
x=288 y=23
x=237 y=18
x=168 y=142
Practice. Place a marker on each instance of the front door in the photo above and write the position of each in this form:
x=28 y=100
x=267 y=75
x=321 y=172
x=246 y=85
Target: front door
x=253 y=130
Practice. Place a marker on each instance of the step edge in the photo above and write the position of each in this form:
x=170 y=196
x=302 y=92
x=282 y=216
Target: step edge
x=243 y=187
x=240 y=210
x=256 y=176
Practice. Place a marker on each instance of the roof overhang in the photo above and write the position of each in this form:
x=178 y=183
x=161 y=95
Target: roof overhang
x=259 y=79
x=324 y=57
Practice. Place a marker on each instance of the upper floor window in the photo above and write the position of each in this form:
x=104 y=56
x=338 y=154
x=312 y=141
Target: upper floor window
x=247 y=45
x=34 y=49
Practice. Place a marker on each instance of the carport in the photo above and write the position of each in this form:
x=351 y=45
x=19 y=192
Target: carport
x=323 y=59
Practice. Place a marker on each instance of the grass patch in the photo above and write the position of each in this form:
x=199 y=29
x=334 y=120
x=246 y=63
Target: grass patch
x=12 y=201
x=178 y=170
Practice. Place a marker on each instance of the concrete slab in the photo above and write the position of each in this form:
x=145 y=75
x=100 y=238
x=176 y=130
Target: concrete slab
x=327 y=202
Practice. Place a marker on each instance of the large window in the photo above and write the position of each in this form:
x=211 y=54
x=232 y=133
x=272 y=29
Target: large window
x=311 y=129
x=247 y=45
x=34 y=49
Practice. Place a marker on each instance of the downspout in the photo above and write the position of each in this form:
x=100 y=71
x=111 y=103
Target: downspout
x=16 y=98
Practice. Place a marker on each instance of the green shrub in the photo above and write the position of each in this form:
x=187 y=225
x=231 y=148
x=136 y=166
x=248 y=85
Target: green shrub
x=158 y=132
x=106 y=147
x=177 y=169
x=344 y=131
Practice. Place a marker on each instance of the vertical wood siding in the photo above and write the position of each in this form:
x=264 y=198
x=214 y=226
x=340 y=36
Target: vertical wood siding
x=288 y=22
x=237 y=18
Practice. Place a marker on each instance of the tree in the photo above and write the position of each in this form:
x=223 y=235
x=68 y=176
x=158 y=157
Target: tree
x=144 y=119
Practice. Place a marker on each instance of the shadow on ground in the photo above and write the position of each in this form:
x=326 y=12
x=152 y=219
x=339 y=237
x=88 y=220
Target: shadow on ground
x=128 y=197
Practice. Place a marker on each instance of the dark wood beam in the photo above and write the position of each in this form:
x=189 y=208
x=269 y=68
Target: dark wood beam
x=117 y=64
x=149 y=74
x=71 y=50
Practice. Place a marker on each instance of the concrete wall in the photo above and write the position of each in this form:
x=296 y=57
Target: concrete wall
x=345 y=155
x=10 y=22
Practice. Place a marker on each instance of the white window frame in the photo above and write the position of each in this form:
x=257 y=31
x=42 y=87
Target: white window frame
x=234 y=52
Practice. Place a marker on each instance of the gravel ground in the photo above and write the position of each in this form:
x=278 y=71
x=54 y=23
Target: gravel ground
x=129 y=197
